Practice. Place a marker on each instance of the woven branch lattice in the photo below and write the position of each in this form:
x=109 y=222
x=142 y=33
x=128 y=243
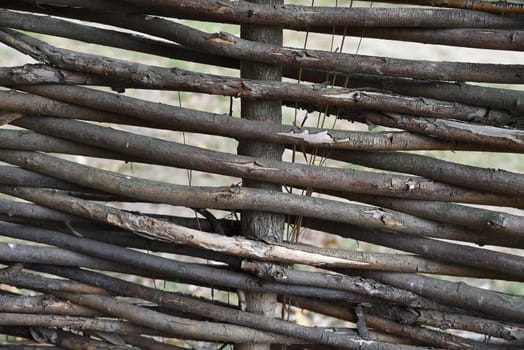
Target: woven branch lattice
x=90 y=236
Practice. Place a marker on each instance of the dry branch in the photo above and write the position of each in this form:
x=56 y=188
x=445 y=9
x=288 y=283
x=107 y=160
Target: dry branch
x=511 y=332
x=497 y=180
x=405 y=328
x=172 y=325
x=42 y=304
x=488 y=221
x=168 y=232
x=161 y=230
x=495 y=39
x=69 y=232
x=184 y=328
x=501 y=39
x=499 y=306
x=469 y=94
x=230 y=46
x=32 y=141
x=500 y=7
x=20 y=253
x=169 y=268
x=452 y=130
x=489 y=224
x=72 y=322
x=229 y=198
x=13 y=276
x=303 y=17
x=423 y=246
x=145 y=113
x=69 y=340
x=190 y=157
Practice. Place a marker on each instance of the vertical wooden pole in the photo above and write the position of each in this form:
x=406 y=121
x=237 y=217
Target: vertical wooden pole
x=261 y=225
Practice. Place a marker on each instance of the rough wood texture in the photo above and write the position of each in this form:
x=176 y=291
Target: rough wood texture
x=434 y=213
x=262 y=225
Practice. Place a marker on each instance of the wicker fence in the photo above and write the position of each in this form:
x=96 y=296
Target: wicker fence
x=319 y=230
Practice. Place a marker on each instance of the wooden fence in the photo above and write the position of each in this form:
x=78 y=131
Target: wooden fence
x=322 y=229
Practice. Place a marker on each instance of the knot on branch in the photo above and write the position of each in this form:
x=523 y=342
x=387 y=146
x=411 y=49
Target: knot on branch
x=305 y=55
x=222 y=38
x=265 y=271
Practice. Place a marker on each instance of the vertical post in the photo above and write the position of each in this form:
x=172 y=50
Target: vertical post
x=261 y=225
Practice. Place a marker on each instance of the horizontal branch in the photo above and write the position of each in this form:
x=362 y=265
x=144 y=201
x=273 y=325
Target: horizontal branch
x=229 y=198
x=208 y=330
x=164 y=78
x=439 y=250
x=499 y=7
x=28 y=254
x=273 y=272
x=171 y=325
x=64 y=340
x=194 y=329
x=79 y=103
x=491 y=97
x=15 y=277
x=90 y=34
x=390 y=262
x=513 y=333
x=28 y=103
x=149 y=114
x=197 y=273
x=70 y=340
x=42 y=304
x=32 y=141
x=461 y=93
x=452 y=130
x=28 y=211
x=230 y=46
x=168 y=232
x=469 y=94
x=15 y=176
x=39 y=216
x=493 y=227
x=149 y=343
x=423 y=246
x=495 y=39
x=303 y=17
x=499 y=306
x=381 y=317
x=184 y=156
x=27 y=347
x=169 y=300
x=492 y=221
x=33 y=255
x=123 y=40
x=461 y=37
x=110 y=6
x=164 y=231
x=97 y=251
x=278 y=273
x=501 y=39
x=71 y=322
x=497 y=180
